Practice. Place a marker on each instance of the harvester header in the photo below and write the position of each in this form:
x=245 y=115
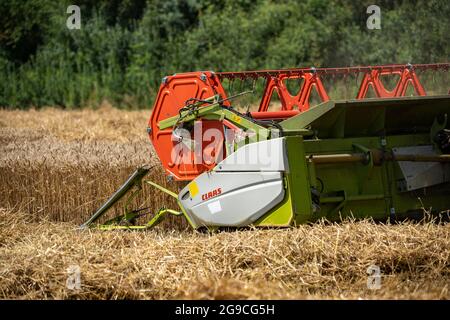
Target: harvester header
x=385 y=157
x=187 y=89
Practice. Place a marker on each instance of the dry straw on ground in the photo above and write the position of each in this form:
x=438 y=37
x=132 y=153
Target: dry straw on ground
x=64 y=164
x=59 y=166
x=318 y=261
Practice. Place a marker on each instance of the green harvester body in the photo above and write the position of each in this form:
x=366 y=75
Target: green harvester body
x=372 y=158
x=356 y=176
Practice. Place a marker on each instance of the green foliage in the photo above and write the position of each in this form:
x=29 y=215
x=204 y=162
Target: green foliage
x=125 y=47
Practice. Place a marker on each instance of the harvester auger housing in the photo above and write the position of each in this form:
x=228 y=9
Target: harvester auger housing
x=384 y=157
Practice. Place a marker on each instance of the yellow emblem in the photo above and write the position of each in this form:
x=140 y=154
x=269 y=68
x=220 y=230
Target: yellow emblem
x=193 y=189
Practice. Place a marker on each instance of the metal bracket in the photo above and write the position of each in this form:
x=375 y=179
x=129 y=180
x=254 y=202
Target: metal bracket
x=368 y=153
x=437 y=126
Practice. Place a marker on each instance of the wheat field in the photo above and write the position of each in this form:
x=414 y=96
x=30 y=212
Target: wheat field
x=56 y=168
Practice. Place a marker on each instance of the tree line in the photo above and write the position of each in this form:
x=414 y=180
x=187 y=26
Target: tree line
x=125 y=47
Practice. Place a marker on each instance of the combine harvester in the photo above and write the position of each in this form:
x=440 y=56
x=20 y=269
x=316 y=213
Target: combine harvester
x=385 y=157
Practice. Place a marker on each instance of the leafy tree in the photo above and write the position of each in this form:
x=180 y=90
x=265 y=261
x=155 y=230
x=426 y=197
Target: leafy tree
x=125 y=47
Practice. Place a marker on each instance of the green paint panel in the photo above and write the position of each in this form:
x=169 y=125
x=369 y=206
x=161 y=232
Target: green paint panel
x=360 y=189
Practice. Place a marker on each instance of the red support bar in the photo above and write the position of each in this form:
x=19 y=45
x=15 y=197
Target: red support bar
x=289 y=102
x=274 y=114
x=335 y=71
x=406 y=77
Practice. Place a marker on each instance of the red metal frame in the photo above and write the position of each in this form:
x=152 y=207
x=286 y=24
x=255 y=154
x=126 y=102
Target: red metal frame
x=172 y=95
x=275 y=80
x=373 y=79
x=176 y=89
x=289 y=102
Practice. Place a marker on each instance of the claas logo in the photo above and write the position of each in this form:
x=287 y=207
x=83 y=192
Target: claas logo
x=211 y=194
